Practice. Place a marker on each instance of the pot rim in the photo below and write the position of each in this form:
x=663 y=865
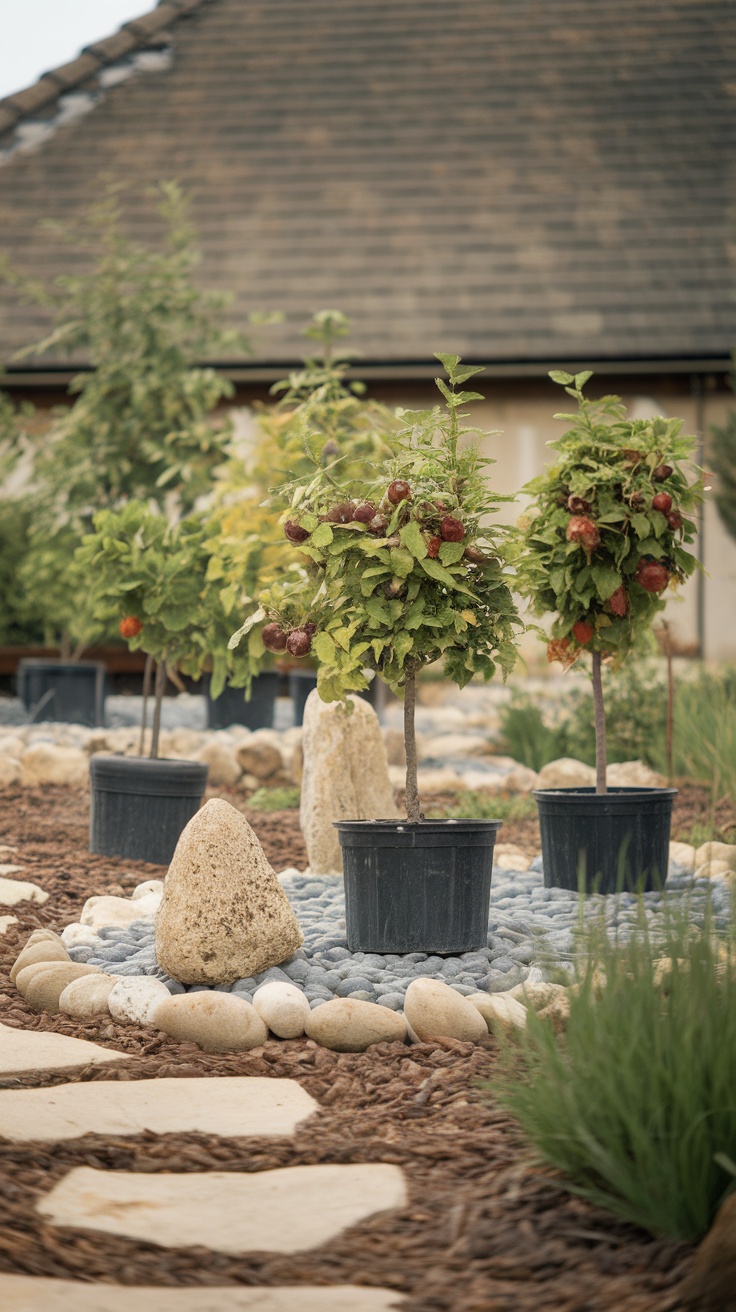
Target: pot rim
x=414 y=826
x=588 y=792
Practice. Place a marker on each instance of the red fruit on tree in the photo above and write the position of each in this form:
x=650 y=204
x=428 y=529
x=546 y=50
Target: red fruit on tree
x=342 y=513
x=577 y=504
x=582 y=632
x=662 y=501
x=310 y=627
x=298 y=642
x=365 y=512
x=295 y=532
x=398 y=491
x=618 y=602
x=273 y=636
x=582 y=530
x=637 y=501
x=652 y=576
x=674 y=519
x=451 y=529
x=433 y=547
x=378 y=524
x=661 y=473
x=130 y=626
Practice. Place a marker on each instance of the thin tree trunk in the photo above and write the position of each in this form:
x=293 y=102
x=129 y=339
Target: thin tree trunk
x=79 y=651
x=65 y=647
x=670 y=706
x=410 y=743
x=148 y=670
x=600 y=726
x=158 y=690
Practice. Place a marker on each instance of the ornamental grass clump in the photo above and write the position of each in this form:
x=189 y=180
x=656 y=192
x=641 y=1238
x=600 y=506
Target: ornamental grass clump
x=398 y=571
x=607 y=532
x=635 y=1103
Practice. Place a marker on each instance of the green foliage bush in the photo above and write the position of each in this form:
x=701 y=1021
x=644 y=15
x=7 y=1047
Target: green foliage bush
x=274 y=799
x=635 y=1104
x=489 y=806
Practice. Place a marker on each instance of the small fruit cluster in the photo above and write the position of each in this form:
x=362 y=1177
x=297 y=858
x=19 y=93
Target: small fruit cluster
x=450 y=528
x=130 y=626
x=296 y=641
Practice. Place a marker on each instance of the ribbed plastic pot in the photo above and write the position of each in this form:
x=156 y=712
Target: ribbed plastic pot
x=302 y=682
x=417 y=887
x=139 y=806
x=72 y=692
x=232 y=708
x=605 y=842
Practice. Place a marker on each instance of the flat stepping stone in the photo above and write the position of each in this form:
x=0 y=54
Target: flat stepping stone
x=6 y=922
x=283 y=1211
x=24 y=1051
x=233 y=1105
x=29 y=1293
x=13 y=891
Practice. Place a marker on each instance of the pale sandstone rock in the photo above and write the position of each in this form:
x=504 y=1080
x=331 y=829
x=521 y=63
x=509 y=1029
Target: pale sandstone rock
x=714 y=869
x=9 y=771
x=29 y=1293
x=286 y=1210
x=345 y=776
x=6 y=851
x=43 y=936
x=716 y=852
x=13 y=891
x=32 y=953
x=393 y=741
x=216 y=1022
x=6 y=922
x=512 y=861
x=136 y=997
x=44 y=988
x=557 y=1013
x=566 y=773
x=500 y=1011
x=633 y=774
x=11 y=745
x=47 y=763
x=710 y=1282
x=222 y=763
x=224 y=914
x=349 y=1025
x=78 y=936
x=230 y=1105
x=441 y=780
x=148 y=886
x=260 y=755
x=537 y=994
x=440 y=747
x=108 y=911
x=23 y=1051
x=182 y=742
x=684 y=854
x=436 y=1011
x=283 y=1008
x=7 y=868
x=87 y=996
x=521 y=780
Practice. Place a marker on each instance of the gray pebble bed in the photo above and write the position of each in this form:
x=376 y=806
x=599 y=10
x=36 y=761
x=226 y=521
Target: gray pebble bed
x=531 y=935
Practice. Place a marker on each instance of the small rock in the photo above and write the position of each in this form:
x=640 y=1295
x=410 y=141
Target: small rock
x=13 y=891
x=6 y=922
x=283 y=1008
x=537 y=995
x=683 y=854
x=436 y=1011
x=148 y=886
x=9 y=771
x=500 y=1011
x=716 y=852
x=557 y=1013
x=107 y=912
x=216 y=1022
x=43 y=936
x=87 y=996
x=566 y=773
x=46 y=950
x=45 y=986
x=633 y=774
x=136 y=998
x=46 y=763
x=347 y=1025
x=260 y=757
x=220 y=756
x=77 y=935
x=714 y=870
x=710 y=1284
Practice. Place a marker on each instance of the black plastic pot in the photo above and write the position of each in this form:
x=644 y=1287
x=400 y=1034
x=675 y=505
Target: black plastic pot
x=68 y=691
x=232 y=708
x=139 y=806
x=605 y=842
x=417 y=887
x=302 y=682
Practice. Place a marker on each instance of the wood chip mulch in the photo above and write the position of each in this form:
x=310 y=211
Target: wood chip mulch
x=487 y=1229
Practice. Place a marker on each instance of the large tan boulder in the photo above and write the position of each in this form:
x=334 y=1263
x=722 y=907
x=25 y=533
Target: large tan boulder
x=219 y=755
x=45 y=763
x=436 y=1011
x=633 y=774
x=216 y=1022
x=345 y=776
x=566 y=773
x=352 y=1025
x=224 y=914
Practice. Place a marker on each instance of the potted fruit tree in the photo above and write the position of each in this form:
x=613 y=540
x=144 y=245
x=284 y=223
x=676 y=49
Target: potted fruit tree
x=398 y=573
x=603 y=543
x=149 y=577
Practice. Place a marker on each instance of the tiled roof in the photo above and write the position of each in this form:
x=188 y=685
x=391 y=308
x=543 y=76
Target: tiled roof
x=540 y=180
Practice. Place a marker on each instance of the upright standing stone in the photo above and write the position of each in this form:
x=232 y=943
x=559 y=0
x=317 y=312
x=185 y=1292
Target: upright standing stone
x=345 y=776
x=224 y=916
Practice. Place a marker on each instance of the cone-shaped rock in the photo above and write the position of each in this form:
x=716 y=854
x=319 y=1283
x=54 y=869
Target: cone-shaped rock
x=345 y=776
x=224 y=915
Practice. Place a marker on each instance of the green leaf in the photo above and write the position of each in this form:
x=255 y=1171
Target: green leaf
x=641 y=526
x=559 y=376
x=442 y=575
x=451 y=552
x=402 y=561
x=322 y=536
x=581 y=379
x=606 y=580
x=449 y=362
x=324 y=648
x=414 y=540
x=246 y=627
x=403 y=644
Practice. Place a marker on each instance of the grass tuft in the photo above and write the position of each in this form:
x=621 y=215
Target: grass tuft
x=274 y=799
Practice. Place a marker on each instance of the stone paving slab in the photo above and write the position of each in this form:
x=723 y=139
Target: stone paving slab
x=283 y=1211
x=13 y=891
x=6 y=922
x=31 y=1294
x=232 y=1105
x=24 y=1051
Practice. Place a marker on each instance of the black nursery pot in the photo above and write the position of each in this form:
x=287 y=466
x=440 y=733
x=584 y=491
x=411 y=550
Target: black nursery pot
x=417 y=887
x=139 y=806
x=605 y=842
x=68 y=691
x=232 y=708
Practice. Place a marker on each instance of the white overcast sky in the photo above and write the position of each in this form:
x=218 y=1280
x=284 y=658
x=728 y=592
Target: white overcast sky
x=37 y=35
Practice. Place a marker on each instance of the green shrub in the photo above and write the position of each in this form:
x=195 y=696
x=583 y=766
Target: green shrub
x=274 y=799
x=636 y=1104
x=527 y=738
x=489 y=806
x=705 y=732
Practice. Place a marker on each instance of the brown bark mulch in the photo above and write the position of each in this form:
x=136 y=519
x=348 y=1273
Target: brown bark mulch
x=487 y=1229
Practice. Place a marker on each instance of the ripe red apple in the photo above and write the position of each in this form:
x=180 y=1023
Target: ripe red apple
x=298 y=642
x=274 y=638
x=582 y=632
x=378 y=525
x=364 y=512
x=451 y=529
x=652 y=576
x=342 y=513
x=582 y=530
x=295 y=532
x=577 y=504
x=661 y=473
x=662 y=501
x=130 y=626
x=398 y=491
x=674 y=519
x=433 y=547
x=618 y=602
